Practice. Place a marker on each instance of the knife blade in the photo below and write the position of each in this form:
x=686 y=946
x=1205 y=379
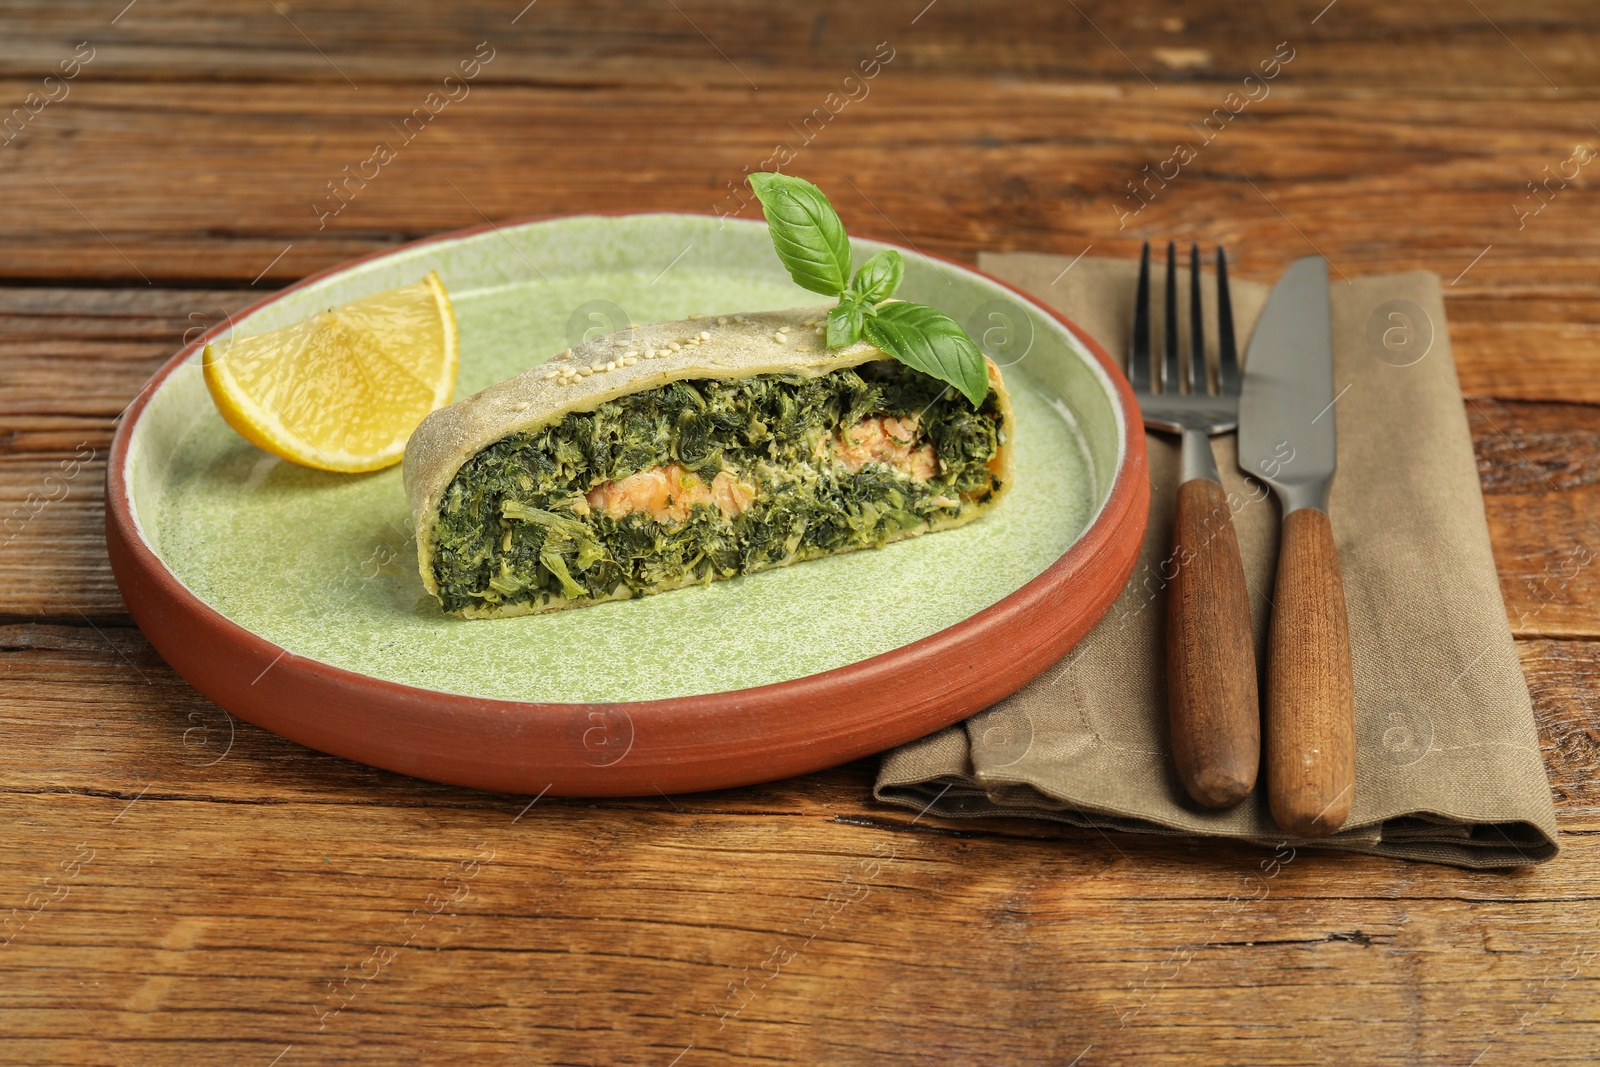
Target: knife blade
x=1287 y=439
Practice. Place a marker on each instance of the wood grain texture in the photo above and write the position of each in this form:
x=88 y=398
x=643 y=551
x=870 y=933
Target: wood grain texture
x=1213 y=708
x=244 y=172
x=234 y=876
x=612 y=42
x=1540 y=469
x=1567 y=703
x=240 y=886
x=1310 y=707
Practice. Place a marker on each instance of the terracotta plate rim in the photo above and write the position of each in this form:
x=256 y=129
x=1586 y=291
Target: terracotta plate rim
x=674 y=744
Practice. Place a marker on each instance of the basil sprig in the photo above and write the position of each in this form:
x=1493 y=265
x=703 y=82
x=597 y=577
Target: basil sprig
x=812 y=243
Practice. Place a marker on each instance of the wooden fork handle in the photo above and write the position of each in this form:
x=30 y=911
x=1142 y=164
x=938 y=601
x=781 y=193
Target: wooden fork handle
x=1311 y=755
x=1214 y=713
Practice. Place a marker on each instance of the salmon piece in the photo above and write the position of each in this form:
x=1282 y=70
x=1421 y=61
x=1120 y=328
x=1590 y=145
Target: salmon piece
x=732 y=496
x=667 y=494
x=886 y=439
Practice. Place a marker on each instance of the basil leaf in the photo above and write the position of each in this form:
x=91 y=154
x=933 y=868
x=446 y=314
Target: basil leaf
x=879 y=277
x=806 y=231
x=844 y=324
x=931 y=342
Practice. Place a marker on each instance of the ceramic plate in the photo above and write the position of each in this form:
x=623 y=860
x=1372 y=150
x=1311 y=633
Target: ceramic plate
x=291 y=596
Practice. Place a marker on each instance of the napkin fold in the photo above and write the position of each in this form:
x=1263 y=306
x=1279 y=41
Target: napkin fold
x=1448 y=766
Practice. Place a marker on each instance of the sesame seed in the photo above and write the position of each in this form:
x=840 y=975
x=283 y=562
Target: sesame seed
x=550 y=374
x=628 y=361
x=521 y=407
x=633 y=325
x=696 y=317
x=630 y=353
x=611 y=364
x=780 y=338
x=705 y=336
x=722 y=320
x=675 y=346
x=585 y=371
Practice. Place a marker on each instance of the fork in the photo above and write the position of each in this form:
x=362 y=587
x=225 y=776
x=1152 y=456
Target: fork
x=1212 y=704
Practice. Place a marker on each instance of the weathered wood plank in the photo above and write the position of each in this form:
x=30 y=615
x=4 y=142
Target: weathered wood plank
x=52 y=536
x=72 y=359
x=1414 y=45
x=1002 y=166
x=88 y=684
x=244 y=175
x=610 y=932
x=1561 y=676
x=1539 y=465
x=1537 y=347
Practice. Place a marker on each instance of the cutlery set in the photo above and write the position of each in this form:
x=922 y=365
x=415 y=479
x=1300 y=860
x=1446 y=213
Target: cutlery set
x=1282 y=407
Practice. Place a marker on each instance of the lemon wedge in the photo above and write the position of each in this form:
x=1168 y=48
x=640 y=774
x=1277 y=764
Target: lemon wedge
x=343 y=389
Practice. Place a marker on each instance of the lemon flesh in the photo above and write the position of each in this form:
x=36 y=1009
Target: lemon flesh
x=343 y=389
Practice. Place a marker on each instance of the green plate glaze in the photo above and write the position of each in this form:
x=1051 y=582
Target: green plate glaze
x=324 y=565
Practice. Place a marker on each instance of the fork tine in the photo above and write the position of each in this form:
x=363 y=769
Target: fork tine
x=1169 y=338
x=1199 y=384
x=1139 y=342
x=1227 y=348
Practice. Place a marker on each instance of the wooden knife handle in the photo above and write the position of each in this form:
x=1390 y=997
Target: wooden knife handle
x=1311 y=752
x=1213 y=708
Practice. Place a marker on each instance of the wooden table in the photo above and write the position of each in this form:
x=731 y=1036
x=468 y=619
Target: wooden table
x=187 y=890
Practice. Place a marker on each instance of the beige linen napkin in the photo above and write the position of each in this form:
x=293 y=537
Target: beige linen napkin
x=1448 y=767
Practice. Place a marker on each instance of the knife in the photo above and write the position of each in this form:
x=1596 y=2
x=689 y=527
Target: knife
x=1286 y=439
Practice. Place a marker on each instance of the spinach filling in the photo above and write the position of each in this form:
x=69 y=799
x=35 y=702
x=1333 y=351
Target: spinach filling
x=514 y=526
